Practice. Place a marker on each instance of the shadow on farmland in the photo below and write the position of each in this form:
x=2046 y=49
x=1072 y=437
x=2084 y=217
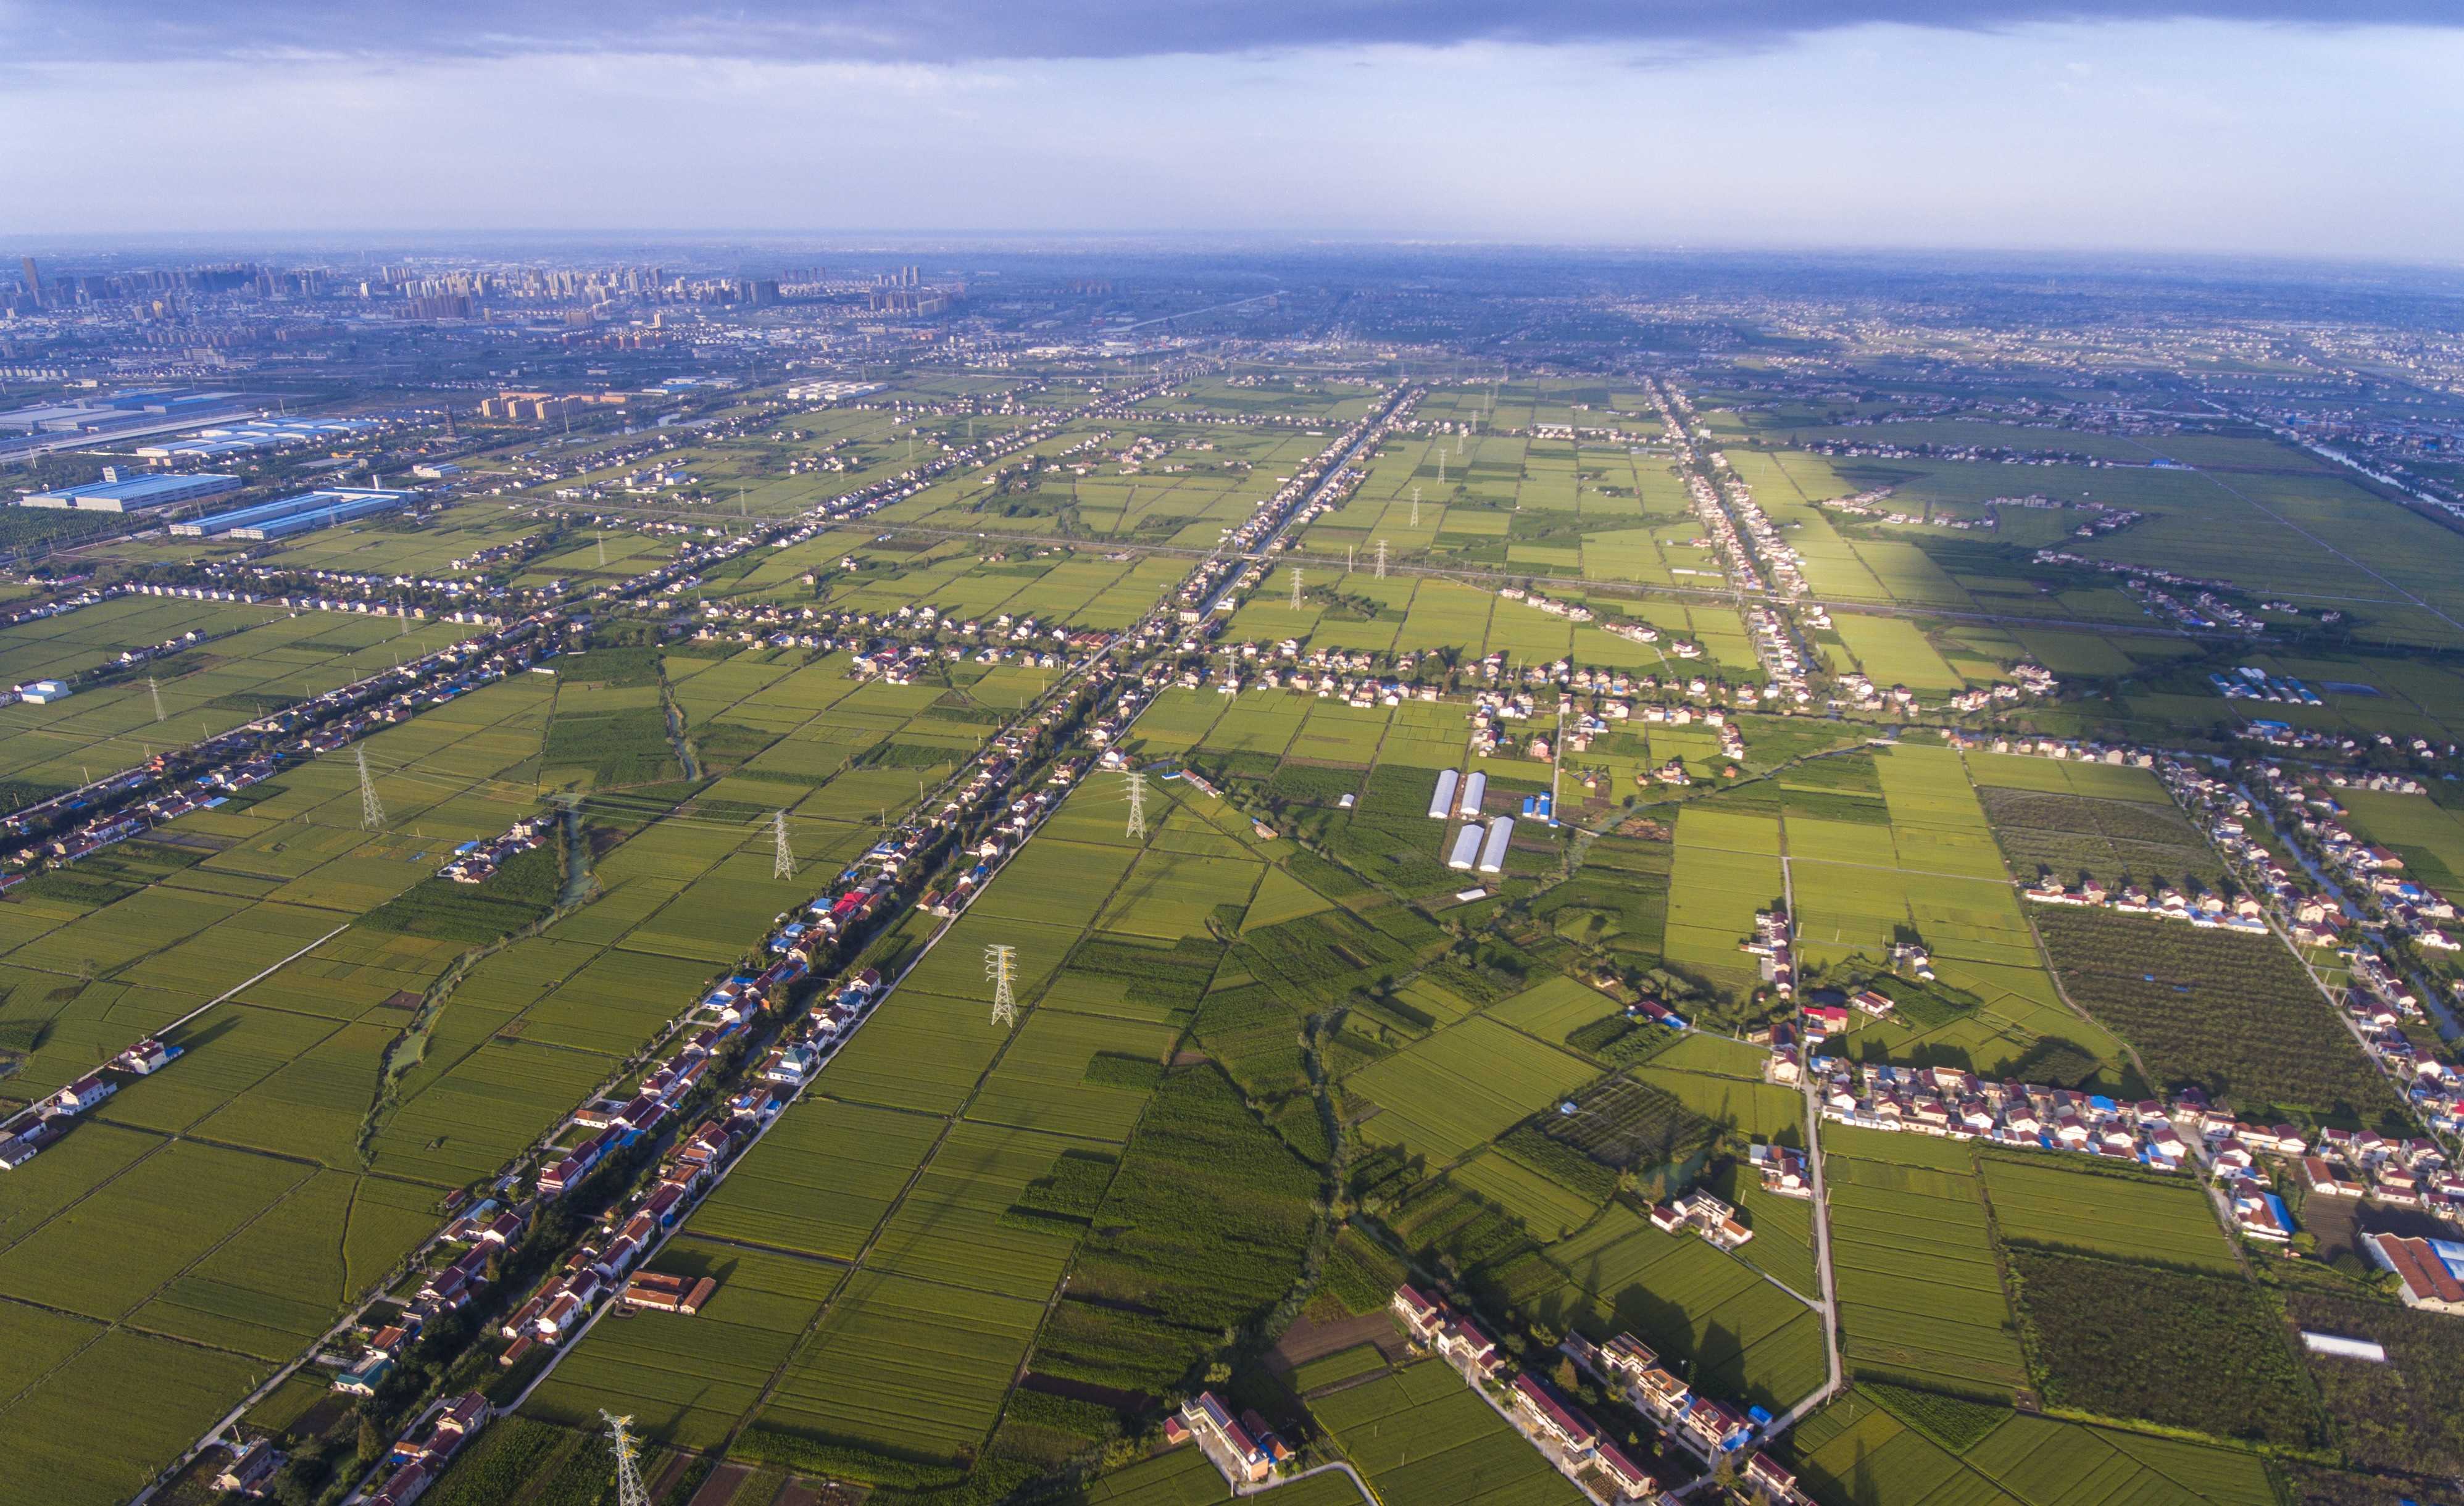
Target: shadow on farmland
x=220 y=1024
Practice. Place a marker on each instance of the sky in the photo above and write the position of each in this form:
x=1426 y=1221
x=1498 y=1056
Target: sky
x=2275 y=127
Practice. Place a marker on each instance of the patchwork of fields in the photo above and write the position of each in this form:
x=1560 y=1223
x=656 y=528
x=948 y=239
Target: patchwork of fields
x=1272 y=1053
x=930 y=1192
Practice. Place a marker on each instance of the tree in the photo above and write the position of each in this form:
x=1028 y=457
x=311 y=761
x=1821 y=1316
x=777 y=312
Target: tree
x=1564 y=1375
x=372 y=1443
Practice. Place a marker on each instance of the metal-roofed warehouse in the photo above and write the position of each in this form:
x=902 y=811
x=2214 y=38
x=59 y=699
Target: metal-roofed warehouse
x=294 y=514
x=134 y=495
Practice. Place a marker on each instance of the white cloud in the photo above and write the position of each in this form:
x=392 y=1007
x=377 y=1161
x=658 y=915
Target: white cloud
x=2183 y=137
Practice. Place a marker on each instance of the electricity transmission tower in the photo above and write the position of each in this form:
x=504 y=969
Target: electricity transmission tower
x=783 y=866
x=1416 y=507
x=1296 y=588
x=603 y=549
x=1381 y=560
x=629 y=1489
x=1442 y=468
x=156 y=692
x=371 y=810
x=1000 y=963
x=1137 y=803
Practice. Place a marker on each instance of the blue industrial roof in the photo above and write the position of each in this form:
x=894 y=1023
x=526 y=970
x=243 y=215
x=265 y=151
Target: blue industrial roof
x=350 y=502
x=136 y=486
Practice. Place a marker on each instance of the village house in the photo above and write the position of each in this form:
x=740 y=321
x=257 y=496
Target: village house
x=682 y=1295
x=2430 y=1272
x=1542 y=1414
x=1227 y=1442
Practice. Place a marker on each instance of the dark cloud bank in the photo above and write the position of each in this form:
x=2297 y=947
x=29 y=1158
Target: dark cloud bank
x=944 y=30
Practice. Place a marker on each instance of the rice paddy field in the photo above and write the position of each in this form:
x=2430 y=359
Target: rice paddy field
x=2041 y=1201
x=1921 y=1294
x=2238 y=506
x=292 y=1178
x=928 y=1195
x=252 y=660
x=1740 y=1336
x=1419 y=1434
x=1217 y=1025
x=1465 y=1084
x=1857 y=1451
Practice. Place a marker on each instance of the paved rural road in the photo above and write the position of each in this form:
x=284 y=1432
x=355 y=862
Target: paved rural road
x=1338 y=1466
x=1829 y=1307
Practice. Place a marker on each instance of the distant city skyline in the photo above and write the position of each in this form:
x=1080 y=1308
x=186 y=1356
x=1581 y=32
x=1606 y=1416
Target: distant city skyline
x=2225 y=128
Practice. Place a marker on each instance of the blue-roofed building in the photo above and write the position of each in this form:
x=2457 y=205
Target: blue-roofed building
x=294 y=514
x=134 y=495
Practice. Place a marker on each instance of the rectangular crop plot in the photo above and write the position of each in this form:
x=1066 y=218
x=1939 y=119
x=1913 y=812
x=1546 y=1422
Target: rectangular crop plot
x=905 y=1367
x=1627 y=1123
x=1741 y=1336
x=822 y=1179
x=2209 y=1353
x=2071 y=837
x=687 y=1381
x=949 y=1227
x=165 y=1213
x=1169 y=895
x=1920 y=1292
x=1050 y=1080
x=1052 y=879
x=1463 y=1085
x=1421 y=1436
x=918 y=1051
x=2043 y=1202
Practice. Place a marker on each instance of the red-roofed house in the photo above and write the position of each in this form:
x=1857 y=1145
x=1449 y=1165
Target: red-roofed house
x=1552 y=1419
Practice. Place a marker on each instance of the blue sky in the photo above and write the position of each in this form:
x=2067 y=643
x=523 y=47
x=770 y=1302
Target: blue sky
x=2239 y=128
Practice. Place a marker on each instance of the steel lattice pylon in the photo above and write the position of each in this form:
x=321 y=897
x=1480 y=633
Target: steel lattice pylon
x=371 y=810
x=783 y=865
x=1137 y=802
x=1000 y=964
x=629 y=1489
